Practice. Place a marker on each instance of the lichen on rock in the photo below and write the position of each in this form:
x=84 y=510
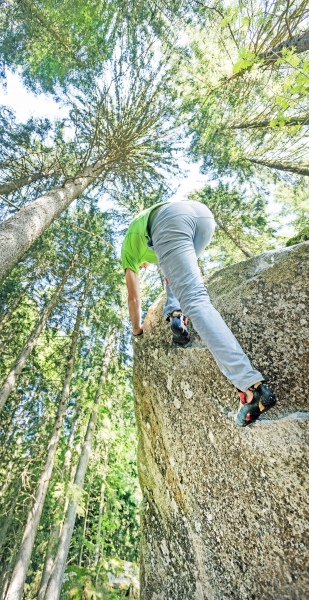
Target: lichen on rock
x=223 y=510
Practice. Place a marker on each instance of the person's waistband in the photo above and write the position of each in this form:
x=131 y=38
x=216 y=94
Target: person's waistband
x=193 y=207
x=151 y=218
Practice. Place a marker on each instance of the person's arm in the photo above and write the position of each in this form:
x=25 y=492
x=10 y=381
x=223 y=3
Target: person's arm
x=134 y=301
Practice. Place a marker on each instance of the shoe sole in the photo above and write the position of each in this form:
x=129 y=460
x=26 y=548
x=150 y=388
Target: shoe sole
x=178 y=337
x=180 y=341
x=259 y=411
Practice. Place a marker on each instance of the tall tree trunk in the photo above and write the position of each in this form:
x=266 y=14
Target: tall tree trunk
x=299 y=42
x=302 y=170
x=56 y=526
x=10 y=311
x=55 y=582
x=15 y=590
x=98 y=546
x=232 y=237
x=9 y=382
x=81 y=549
x=304 y=120
x=15 y=184
x=19 y=232
x=52 y=545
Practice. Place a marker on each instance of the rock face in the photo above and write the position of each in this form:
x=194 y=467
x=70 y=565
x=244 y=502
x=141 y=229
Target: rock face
x=224 y=507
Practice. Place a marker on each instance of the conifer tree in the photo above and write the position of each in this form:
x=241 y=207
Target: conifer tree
x=54 y=585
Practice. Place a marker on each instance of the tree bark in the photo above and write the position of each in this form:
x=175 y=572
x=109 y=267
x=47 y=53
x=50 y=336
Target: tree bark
x=15 y=590
x=10 y=311
x=55 y=582
x=15 y=184
x=56 y=526
x=98 y=546
x=49 y=558
x=266 y=123
x=81 y=549
x=300 y=42
x=21 y=230
x=302 y=170
x=9 y=382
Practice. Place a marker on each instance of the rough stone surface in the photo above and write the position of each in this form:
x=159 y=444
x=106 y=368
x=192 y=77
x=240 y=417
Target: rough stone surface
x=224 y=507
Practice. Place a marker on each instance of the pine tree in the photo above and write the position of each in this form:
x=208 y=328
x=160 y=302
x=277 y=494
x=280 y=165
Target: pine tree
x=54 y=585
x=123 y=140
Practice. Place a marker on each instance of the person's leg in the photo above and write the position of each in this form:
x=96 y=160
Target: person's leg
x=171 y=303
x=201 y=239
x=174 y=230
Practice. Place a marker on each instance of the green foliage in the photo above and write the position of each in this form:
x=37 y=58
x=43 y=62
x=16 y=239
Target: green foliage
x=115 y=578
x=113 y=465
x=294 y=201
x=135 y=79
x=50 y=41
x=302 y=236
x=151 y=286
x=37 y=395
x=246 y=58
x=61 y=44
x=72 y=492
x=243 y=104
x=241 y=221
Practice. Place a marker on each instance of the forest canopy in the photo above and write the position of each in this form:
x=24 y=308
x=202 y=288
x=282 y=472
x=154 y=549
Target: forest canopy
x=147 y=87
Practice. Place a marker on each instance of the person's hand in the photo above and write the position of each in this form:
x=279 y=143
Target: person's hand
x=138 y=331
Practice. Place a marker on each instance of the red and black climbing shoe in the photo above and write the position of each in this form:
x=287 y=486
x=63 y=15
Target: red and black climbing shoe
x=263 y=399
x=179 y=327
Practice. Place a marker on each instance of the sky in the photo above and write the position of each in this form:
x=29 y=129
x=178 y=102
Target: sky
x=26 y=104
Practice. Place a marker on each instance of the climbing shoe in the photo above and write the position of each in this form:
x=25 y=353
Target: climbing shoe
x=178 y=323
x=263 y=399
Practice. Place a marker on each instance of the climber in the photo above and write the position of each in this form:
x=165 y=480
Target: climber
x=174 y=234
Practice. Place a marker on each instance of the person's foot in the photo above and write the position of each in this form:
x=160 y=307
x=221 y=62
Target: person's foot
x=178 y=324
x=254 y=401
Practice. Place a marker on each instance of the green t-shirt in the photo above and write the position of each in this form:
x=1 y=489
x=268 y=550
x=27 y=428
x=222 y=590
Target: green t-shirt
x=134 y=249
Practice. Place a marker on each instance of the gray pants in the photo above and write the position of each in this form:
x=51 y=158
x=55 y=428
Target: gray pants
x=180 y=231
